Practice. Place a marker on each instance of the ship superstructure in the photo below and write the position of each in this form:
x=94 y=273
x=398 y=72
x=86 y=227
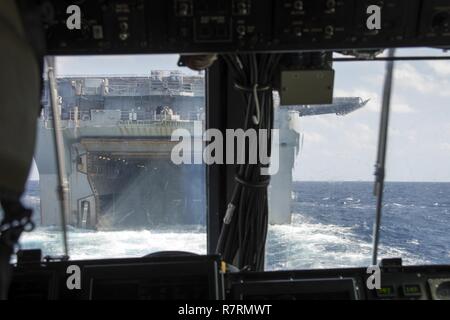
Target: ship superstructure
x=288 y=122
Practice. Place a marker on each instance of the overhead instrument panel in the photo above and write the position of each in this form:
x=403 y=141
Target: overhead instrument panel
x=435 y=19
x=196 y=26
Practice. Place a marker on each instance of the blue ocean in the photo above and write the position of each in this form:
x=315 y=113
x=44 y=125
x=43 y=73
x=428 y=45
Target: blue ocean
x=331 y=227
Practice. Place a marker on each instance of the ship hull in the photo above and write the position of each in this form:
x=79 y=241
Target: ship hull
x=121 y=176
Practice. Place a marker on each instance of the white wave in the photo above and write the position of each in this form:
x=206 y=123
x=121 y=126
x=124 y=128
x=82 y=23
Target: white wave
x=115 y=244
x=31 y=199
x=399 y=205
x=414 y=242
x=306 y=244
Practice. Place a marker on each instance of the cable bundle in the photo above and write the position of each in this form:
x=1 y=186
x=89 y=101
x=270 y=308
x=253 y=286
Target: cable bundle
x=244 y=230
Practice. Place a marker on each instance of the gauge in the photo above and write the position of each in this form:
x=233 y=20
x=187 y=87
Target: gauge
x=440 y=288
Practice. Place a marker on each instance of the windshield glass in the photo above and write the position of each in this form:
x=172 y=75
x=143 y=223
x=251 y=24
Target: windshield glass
x=126 y=197
x=321 y=201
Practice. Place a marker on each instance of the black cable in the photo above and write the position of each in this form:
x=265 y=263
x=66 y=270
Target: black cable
x=244 y=231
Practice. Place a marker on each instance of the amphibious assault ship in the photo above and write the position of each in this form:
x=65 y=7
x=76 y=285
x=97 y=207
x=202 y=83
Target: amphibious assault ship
x=117 y=133
x=117 y=137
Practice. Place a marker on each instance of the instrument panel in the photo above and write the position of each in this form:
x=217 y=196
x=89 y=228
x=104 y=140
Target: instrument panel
x=403 y=283
x=203 y=277
x=201 y=26
x=150 y=278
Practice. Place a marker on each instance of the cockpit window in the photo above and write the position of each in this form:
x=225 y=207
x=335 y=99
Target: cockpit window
x=322 y=202
x=126 y=197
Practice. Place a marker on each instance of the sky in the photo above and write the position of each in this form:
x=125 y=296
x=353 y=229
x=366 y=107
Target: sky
x=343 y=148
x=117 y=64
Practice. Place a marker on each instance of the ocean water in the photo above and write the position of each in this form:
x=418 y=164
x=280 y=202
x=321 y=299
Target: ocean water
x=331 y=227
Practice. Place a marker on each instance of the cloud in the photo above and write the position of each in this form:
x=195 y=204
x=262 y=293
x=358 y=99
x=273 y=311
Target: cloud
x=444 y=146
x=447 y=128
x=314 y=137
x=403 y=134
x=441 y=68
x=430 y=79
x=362 y=136
x=401 y=107
x=407 y=76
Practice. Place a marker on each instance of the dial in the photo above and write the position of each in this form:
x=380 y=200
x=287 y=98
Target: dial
x=443 y=291
x=441 y=22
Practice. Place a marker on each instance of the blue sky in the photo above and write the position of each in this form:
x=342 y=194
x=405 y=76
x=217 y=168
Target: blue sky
x=344 y=148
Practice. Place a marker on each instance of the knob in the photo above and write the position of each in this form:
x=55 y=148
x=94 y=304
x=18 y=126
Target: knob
x=123 y=34
x=329 y=30
x=441 y=22
x=123 y=26
x=330 y=6
x=298 y=5
x=242 y=8
x=241 y=30
x=183 y=9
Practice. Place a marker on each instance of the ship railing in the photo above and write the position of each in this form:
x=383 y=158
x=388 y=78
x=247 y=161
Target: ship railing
x=173 y=123
x=74 y=118
x=80 y=115
x=184 y=124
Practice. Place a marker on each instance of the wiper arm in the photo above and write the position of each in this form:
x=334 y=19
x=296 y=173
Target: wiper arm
x=63 y=186
x=380 y=166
